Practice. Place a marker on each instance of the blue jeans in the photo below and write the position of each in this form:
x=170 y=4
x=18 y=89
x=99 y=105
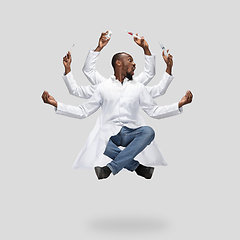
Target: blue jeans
x=134 y=141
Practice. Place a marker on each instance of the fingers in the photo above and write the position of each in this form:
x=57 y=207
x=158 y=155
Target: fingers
x=45 y=96
x=104 y=37
x=67 y=57
x=189 y=96
x=167 y=58
x=169 y=55
x=104 y=34
x=49 y=99
x=142 y=37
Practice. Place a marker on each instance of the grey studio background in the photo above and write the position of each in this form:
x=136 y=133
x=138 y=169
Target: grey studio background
x=195 y=197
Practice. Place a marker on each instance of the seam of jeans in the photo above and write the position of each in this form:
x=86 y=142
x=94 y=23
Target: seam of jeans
x=127 y=134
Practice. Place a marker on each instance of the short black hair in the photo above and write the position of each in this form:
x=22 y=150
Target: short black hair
x=116 y=57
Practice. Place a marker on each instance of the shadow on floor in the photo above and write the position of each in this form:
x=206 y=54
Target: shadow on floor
x=128 y=224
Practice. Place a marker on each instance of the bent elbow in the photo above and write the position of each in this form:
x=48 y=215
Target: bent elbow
x=71 y=91
x=84 y=70
x=151 y=75
x=162 y=92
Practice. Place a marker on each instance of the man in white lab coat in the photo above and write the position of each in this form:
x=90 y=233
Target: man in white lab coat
x=95 y=78
x=152 y=151
x=120 y=99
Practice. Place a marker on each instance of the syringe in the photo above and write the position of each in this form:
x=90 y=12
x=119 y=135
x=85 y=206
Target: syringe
x=72 y=48
x=130 y=33
x=164 y=49
x=109 y=34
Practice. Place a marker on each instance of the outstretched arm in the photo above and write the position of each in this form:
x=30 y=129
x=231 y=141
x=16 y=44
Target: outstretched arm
x=153 y=110
x=82 y=111
x=89 y=68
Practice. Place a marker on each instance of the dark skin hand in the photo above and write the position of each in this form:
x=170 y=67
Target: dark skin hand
x=186 y=99
x=143 y=44
x=49 y=99
x=169 y=61
x=67 y=62
x=103 y=41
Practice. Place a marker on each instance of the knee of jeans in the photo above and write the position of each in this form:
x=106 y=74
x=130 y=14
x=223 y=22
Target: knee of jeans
x=150 y=132
x=116 y=140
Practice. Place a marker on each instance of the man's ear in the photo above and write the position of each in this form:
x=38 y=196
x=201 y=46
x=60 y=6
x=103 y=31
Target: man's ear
x=118 y=63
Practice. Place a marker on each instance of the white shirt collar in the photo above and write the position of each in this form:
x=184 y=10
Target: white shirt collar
x=114 y=79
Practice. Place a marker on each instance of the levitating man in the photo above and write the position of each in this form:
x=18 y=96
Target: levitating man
x=152 y=154
x=120 y=98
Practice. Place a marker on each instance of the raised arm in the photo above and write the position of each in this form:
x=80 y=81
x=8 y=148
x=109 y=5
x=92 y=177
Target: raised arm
x=102 y=42
x=67 y=60
x=141 y=42
x=82 y=111
x=73 y=88
x=89 y=68
x=162 y=86
x=78 y=91
x=149 y=68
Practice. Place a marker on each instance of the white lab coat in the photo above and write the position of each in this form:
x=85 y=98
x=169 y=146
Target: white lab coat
x=120 y=104
x=89 y=156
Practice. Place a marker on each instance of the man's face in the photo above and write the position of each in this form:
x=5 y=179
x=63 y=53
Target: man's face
x=128 y=65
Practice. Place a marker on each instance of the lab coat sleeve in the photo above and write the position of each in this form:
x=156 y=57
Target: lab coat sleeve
x=82 y=111
x=74 y=89
x=153 y=110
x=161 y=87
x=89 y=68
x=149 y=70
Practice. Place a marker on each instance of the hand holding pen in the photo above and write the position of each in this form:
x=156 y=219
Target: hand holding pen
x=67 y=59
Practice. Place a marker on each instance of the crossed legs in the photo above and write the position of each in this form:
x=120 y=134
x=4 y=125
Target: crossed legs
x=134 y=141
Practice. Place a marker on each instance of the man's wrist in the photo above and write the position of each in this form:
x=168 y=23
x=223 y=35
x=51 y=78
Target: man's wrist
x=55 y=104
x=147 y=51
x=169 y=70
x=67 y=70
x=180 y=104
x=98 y=49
